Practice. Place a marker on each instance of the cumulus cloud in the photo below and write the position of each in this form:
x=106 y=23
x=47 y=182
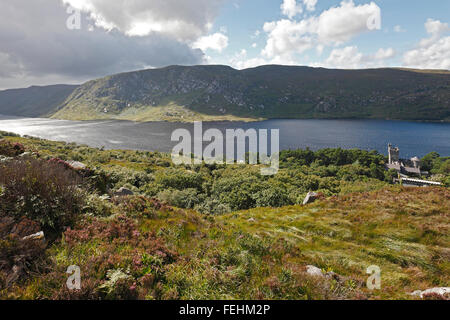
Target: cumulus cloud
x=342 y=23
x=290 y=8
x=432 y=52
x=184 y=20
x=310 y=4
x=36 y=47
x=334 y=26
x=351 y=58
x=217 y=41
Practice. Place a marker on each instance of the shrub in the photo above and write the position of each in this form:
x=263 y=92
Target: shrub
x=9 y=149
x=179 y=179
x=42 y=191
x=187 y=198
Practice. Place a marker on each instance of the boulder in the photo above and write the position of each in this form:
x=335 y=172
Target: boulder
x=36 y=236
x=314 y=271
x=77 y=165
x=441 y=291
x=25 y=154
x=122 y=192
x=310 y=197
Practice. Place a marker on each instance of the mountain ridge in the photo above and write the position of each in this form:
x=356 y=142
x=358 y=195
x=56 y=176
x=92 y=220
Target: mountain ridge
x=216 y=92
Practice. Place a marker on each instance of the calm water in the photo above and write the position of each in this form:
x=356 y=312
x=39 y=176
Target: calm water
x=413 y=138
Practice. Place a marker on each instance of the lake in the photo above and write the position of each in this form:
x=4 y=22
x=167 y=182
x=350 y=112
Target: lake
x=413 y=138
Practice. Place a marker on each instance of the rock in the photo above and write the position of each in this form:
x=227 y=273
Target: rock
x=5 y=159
x=251 y=220
x=442 y=291
x=417 y=293
x=122 y=192
x=36 y=236
x=310 y=197
x=25 y=154
x=77 y=165
x=105 y=197
x=314 y=271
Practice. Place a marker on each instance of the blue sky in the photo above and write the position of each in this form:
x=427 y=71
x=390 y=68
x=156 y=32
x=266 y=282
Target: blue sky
x=72 y=41
x=402 y=28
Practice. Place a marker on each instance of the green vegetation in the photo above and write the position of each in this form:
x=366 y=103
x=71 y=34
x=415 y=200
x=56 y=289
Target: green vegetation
x=179 y=93
x=211 y=231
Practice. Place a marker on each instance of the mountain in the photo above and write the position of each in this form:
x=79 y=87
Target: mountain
x=34 y=101
x=221 y=92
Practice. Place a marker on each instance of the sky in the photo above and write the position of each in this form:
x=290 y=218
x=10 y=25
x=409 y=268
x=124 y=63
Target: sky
x=71 y=41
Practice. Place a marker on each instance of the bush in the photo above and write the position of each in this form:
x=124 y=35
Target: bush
x=187 y=198
x=9 y=149
x=42 y=191
x=179 y=179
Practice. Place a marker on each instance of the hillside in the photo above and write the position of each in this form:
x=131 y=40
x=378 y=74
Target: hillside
x=158 y=245
x=179 y=93
x=34 y=101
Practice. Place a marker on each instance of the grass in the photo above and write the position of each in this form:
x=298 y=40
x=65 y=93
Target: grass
x=405 y=231
x=142 y=248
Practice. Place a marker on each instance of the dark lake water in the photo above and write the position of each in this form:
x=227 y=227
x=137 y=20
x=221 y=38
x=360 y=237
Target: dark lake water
x=413 y=138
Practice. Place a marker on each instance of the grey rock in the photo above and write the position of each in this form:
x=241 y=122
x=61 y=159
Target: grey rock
x=310 y=197
x=77 y=165
x=36 y=236
x=314 y=271
x=122 y=192
x=442 y=291
x=25 y=154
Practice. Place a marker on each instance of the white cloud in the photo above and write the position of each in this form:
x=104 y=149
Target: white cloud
x=432 y=52
x=351 y=58
x=435 y=27
x=399 y=29
x=254 y=45
x=183 y=20
x=240 y=61
x=340 y=24
x=383 y=54
x=290 y=8
x=347 y=58
x=310 y=4
x=217 y=41
x=334 y=26
x=286 y=37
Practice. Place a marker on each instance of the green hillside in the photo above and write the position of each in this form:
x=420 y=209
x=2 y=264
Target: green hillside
x=181 y=93
x=214 y=92
x=34 y=101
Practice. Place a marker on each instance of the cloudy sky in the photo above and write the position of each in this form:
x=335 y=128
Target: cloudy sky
x=71 y=41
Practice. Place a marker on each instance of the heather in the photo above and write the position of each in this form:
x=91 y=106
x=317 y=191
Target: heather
x=215 y=232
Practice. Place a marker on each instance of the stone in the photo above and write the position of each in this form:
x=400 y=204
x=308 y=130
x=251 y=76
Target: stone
x=251 y=220
x=77 y=165
x=122 y=192
x=25 y=154
x=442 y=291
x=36 y=236
x=310 y=198
x=314 y=271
